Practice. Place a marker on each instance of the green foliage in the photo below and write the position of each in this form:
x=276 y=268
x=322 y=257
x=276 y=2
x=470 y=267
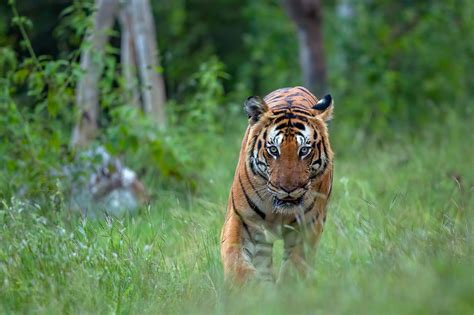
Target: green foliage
x=32 y=147
x=205 y=109
x=73 y=25
x=147 y=148
x=400 y=64
x=390 y=64
x=272 y=48
x=38 y=116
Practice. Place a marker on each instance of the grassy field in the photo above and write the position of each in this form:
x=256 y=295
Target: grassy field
x=398 y=240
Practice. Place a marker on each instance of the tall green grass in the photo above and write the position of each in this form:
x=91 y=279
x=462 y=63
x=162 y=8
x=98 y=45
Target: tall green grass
x=398 y=240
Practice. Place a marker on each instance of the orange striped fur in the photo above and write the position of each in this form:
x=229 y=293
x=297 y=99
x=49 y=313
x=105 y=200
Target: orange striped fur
x=281 y=186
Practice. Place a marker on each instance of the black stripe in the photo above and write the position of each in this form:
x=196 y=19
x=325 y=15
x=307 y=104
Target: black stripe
x=233 y=205
x=309 y=101
x=247 y=251
x=246 y=227
x=294 y=94
x=252 y=166
x=318 y=161
x=256 y=172
x=251 y=184
x=310 y=156
x=306 y=92
x=281 y=126
x=299 y=125
x=325 y=153
x=250 y=202
x=301 y=107
x=277 y=120
x=274 y=98
x=302 y=118
x=289 y=116
x=254 y=141
x=279 y=111
x=324 y=148
x=318 y=146
x=280 y=107
x=301 y=111
x=299 y=133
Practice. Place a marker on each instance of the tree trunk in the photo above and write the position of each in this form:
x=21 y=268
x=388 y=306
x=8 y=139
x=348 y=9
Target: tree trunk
x=86 y=91
x=307 y=16
x=128 y=57
x=152 y=83
x=139 y=57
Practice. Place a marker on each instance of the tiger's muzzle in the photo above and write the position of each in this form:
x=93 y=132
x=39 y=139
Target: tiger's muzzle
x=284 y=198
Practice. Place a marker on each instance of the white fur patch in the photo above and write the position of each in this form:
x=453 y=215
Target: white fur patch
x=302 y=140
x=274 y=137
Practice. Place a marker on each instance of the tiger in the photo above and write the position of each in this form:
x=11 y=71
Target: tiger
x=281 y=186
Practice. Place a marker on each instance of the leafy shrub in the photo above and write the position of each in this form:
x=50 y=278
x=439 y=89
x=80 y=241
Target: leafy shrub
x=37 y=115
x=399 y=64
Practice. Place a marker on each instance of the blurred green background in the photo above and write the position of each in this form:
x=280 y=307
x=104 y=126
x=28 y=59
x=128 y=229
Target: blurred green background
x=399 y=230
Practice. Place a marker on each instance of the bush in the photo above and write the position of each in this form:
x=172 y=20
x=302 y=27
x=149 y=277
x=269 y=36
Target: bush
x=400 y=65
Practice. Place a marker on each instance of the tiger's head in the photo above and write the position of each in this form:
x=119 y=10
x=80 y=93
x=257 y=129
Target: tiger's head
x=288 y=146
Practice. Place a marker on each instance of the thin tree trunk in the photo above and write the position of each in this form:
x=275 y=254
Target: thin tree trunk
x=128 y=57
x=307 y=16
x=152 y=83
x=86 y=90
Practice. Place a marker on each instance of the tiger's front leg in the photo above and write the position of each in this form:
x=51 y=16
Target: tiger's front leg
x=235 y=254
x=262 y=255
x=299 y=249
x=245 y=251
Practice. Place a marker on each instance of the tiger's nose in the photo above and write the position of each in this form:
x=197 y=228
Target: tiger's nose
x=293 y=191
x=288 y=189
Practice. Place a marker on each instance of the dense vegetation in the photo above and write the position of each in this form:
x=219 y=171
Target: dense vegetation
x=399 y=231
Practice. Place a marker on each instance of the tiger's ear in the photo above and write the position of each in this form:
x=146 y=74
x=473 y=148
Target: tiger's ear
x=255 y=107
x=325 y=107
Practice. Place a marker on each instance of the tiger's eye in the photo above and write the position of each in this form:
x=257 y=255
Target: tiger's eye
x=273 y=150
x=304 y=151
